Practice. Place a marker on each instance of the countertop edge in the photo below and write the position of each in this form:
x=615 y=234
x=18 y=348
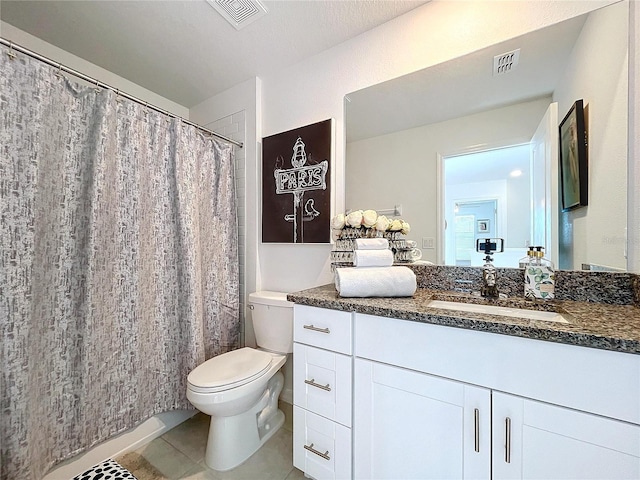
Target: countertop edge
x=530 y=329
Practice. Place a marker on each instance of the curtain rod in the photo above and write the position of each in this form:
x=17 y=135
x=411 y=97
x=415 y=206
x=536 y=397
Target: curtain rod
x=12 y=46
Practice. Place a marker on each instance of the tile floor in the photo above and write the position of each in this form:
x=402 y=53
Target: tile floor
x=179 y=454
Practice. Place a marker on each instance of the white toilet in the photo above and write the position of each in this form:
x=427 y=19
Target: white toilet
x=240 y=389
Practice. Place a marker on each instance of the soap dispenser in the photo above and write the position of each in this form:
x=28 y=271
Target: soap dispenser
x=526 y=260
x=539 y=277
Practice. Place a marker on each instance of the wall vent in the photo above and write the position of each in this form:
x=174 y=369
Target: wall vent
x=239 y=13
x=505 y=62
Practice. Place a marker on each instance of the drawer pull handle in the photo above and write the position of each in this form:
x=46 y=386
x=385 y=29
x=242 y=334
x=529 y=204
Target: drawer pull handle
x=507 y=448
x=324 y=455
x=476 y=430
x=317 y=385
x=316 y=329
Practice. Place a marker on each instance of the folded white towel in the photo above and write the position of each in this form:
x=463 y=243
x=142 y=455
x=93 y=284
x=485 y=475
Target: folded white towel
x=372 y=244
x=375 y=282
x=372 y=258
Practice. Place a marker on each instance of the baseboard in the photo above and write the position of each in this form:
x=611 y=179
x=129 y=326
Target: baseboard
x=120 y=444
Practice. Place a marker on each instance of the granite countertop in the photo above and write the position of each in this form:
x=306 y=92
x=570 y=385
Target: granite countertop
x=595 y=325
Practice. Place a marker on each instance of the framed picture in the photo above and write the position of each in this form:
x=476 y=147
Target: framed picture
x=483 y=226
x=296 y=185
x=574 y=168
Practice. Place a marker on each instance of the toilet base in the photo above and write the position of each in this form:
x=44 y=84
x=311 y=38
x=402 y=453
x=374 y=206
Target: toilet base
x=232 y=440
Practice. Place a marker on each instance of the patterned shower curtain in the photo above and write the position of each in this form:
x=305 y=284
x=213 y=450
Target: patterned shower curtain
x=119 y=263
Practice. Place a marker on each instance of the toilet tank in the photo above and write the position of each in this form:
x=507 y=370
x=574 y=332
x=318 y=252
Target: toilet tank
x=272 y=316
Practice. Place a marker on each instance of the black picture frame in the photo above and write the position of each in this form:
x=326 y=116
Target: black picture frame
x=574 y=167
x=296 y=184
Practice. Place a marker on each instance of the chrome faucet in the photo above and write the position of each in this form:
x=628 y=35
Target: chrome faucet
x=489 y=272
x=489 y=276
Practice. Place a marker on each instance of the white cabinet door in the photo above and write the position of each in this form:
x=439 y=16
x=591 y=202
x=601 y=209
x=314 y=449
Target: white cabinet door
x=410 y=425
x=538 y=440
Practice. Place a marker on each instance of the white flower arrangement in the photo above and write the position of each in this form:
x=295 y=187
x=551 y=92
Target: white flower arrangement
x=354 y=219
x=382 y=223
x=368 y=220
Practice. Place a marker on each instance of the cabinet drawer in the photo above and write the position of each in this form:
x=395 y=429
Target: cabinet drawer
x=322 y=382
x=321 y=448
x=321 y=327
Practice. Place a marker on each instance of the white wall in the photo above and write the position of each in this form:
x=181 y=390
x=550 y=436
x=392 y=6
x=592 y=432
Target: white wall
x=633 y=194
x=313 y=89
x=9 y=32
x=374 y=179
x=600 y=77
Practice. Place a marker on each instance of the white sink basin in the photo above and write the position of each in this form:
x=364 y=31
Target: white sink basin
x=502 y=311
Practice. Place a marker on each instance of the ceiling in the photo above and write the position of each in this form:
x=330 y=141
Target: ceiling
x=474 y=167
x=184 y=50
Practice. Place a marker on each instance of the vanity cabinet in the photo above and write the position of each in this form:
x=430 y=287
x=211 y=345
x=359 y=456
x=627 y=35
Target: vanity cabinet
x=322 y=392
x=411 y=425
x=412 y=400
x=434 y=402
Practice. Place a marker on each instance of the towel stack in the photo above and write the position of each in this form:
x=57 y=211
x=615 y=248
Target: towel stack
x=372 y=252
x=373 y=274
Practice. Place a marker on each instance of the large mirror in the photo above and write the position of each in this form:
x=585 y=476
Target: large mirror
x=468 y=148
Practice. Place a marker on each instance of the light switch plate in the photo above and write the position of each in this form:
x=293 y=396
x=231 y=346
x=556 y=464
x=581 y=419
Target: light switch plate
x=428 y=242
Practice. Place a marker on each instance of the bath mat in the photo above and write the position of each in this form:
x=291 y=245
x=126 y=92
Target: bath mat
x=107 y=470
x=140 y=466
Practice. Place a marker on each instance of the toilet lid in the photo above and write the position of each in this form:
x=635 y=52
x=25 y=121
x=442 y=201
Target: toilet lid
x=229 y=369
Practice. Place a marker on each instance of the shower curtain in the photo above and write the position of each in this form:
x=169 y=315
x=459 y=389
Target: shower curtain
x=119 y=263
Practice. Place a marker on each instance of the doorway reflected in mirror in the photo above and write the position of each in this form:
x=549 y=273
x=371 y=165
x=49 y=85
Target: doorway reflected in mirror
x=487 y=194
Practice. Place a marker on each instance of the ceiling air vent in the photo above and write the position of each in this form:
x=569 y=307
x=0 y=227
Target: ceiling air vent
x=505 y=62
x=239 y=13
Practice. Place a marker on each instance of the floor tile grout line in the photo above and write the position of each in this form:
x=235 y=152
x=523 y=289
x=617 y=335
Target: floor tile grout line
x=185 y=451
x=193 y=426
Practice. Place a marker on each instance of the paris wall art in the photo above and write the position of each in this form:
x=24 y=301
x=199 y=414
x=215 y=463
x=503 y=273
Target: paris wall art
x=296 y=185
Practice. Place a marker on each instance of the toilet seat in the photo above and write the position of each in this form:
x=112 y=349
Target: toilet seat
x=229 y=370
